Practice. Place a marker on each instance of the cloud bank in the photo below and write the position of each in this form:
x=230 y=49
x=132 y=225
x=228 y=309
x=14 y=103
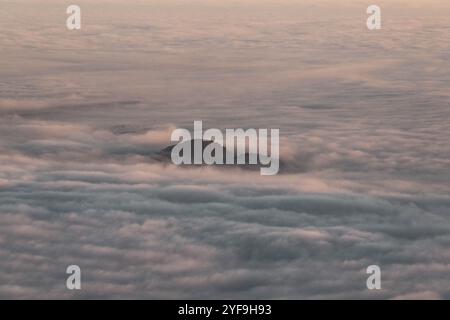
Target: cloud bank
x=364 y=127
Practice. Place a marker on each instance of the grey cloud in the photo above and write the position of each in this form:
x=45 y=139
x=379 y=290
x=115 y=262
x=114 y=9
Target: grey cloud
x=364 y=127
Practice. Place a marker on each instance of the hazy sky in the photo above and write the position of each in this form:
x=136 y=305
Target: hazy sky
x=364 y=127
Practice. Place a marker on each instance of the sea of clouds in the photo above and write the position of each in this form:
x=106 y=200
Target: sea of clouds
x=364 y=125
